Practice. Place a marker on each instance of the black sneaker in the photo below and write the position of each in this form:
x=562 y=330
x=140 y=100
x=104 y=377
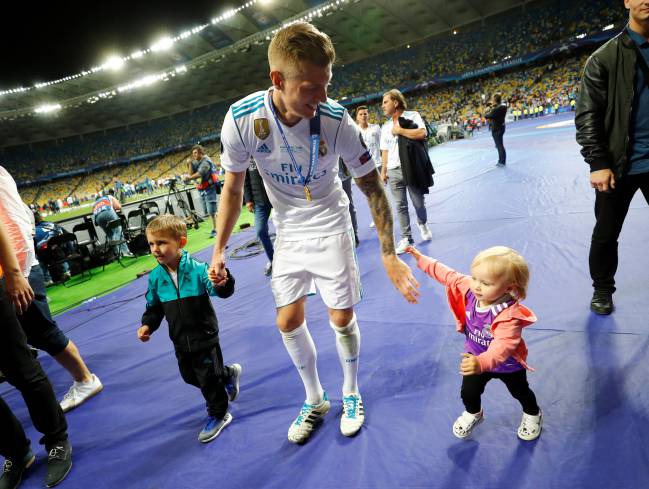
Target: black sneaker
x=59 y=462
x=12 y=471
x=602 y=302
x=232 y=386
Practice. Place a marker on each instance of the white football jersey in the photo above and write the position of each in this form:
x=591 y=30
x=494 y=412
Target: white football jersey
x=251 y=130
x=372 y=138
x=390 y=142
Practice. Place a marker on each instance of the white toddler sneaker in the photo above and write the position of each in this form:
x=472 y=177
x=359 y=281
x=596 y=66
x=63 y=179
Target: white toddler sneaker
x=530 y=427
x=466 y=423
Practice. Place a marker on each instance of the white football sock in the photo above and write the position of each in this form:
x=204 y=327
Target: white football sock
x=301 y=349
x=348 y=344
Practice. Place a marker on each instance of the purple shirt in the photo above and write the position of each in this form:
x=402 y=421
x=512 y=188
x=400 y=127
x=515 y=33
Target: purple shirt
x=478 y=331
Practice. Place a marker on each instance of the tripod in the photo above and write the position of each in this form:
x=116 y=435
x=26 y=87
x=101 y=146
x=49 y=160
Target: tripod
x=191 y=217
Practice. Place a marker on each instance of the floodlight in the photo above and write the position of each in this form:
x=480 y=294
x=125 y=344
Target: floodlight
x=162 y=44
x=113 y=63
x=46 y=108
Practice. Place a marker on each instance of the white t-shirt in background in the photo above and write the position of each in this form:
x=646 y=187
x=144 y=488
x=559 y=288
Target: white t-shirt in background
x=372 y=138
x=390 y=143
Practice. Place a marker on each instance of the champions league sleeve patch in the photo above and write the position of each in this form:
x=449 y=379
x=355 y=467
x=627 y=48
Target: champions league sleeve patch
x=365 y=157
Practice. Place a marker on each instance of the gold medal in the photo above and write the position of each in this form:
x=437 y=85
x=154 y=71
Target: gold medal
x=307 y=193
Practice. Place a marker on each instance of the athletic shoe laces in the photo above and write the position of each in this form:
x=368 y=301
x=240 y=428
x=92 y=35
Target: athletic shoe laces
x=350 y=404
x=306 y=408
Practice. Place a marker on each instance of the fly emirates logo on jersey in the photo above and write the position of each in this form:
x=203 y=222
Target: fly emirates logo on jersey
x=285 y=174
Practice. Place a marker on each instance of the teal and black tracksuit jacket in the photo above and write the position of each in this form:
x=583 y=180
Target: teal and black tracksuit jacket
x=188 y=309
x=193 y=327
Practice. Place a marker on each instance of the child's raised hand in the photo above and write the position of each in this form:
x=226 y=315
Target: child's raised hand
x=144 y=333
x=469 y=364
x=414 y=252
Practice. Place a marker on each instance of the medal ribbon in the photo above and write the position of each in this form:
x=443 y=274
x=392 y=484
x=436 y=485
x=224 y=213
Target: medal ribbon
x=314 y=130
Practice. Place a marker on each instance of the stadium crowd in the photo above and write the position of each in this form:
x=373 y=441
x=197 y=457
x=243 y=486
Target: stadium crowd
x=546 y=87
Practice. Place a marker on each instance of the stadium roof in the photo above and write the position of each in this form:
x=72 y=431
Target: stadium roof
x=224 y=60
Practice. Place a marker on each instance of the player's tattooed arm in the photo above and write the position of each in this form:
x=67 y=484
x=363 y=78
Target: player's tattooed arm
x=373 y=189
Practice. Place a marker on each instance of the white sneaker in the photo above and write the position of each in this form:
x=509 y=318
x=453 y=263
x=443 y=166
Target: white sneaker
x=426 y=235
x=466 y=423
x=402 y=245
x=268 y=269
x=353 y=414
x=372 y=224
x=308 y=420
x=530 y=427
x=80 y=392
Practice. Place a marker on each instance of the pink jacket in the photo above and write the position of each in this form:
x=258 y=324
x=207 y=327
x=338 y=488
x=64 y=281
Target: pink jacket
x=507 y=325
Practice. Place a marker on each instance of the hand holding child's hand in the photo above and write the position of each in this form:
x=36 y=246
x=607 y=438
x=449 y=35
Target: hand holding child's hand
x=414 y=252
x=144 y=333
x=469 y=364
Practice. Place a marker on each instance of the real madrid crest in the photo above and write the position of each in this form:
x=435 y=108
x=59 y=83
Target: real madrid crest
x=262 y=128
x=322 y=150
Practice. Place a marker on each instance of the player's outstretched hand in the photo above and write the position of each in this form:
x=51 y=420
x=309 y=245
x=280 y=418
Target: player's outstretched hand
x=401 y=277
x=144 y=333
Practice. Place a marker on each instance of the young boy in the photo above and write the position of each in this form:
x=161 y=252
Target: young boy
x=179 y=290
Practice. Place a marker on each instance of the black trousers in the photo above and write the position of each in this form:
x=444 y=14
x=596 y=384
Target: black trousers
x=473 y=386
x=24 y=372
x=41 y=330
x=347 y=187
x=500 y=146
x=610 y=211
x=205 y=370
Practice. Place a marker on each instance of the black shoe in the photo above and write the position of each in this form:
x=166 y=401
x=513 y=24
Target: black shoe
x=59 y=462
x=500 y=165
x=12 y=472
x=602 y=302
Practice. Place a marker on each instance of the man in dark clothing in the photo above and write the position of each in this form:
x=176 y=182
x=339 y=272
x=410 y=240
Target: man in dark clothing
x=346 y=179
x=25 y=373
x=613 y=130
x=496 y=116
x=257 y=202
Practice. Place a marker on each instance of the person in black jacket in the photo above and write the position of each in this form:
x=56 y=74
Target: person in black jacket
x=613 y=130
x=179 y=291
x=496 y=117
x=257 y=202
x=24 y=372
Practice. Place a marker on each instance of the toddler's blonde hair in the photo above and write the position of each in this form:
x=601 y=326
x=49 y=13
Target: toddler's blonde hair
x=509 y=264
